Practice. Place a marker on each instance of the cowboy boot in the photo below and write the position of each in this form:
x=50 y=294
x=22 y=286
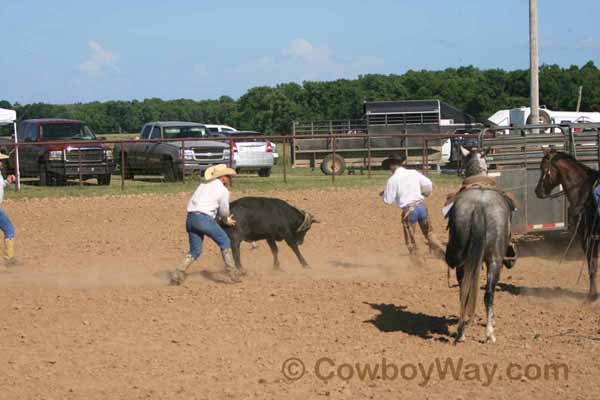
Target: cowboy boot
x=230 y=269
x=433 y=243
x=9 y=253
x=179 y=275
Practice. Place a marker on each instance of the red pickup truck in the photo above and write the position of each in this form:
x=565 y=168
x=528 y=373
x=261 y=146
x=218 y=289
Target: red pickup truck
x=69 y=157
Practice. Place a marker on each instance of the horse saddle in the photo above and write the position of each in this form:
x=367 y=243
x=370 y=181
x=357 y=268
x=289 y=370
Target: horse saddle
x=479 y=182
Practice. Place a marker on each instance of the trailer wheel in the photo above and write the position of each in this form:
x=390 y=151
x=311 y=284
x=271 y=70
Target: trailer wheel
x=544 y=118
x=333 y=165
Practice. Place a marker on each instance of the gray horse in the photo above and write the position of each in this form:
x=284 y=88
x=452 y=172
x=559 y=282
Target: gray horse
x=479 y=225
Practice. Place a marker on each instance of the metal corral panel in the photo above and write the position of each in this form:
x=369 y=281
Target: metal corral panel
x=515 y=159
x=533 y=214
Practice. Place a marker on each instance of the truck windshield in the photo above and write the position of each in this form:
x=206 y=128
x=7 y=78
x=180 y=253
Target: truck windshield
x=66 y=131
x=182 y=132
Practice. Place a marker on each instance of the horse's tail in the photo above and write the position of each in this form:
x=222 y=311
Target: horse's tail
x=469 y=286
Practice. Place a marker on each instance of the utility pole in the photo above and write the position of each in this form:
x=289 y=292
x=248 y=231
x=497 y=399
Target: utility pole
x=579 y=98
x=533 y=61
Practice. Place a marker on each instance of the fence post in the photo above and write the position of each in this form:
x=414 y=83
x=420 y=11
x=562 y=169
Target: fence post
x=368 y=157
x=284 y=159
x=424 y=157
x=17 y=166
x=122 y=166
x=79 y=166
x=332 y=136
x=598 y=146
x=231 y=158
x=183 y=161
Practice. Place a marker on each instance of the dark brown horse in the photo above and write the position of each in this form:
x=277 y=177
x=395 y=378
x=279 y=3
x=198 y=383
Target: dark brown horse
x=577 y=180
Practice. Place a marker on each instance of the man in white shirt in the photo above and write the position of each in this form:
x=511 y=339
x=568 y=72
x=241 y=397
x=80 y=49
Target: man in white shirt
x=407 y=189
x=6 y=224
x=209 y=201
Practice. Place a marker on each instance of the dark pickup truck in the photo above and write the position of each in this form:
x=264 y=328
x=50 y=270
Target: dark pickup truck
x=169 y=158
x=69 y=157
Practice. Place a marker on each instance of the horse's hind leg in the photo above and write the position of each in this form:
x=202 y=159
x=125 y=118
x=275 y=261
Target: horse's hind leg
x=593 y=271
x=493 y=275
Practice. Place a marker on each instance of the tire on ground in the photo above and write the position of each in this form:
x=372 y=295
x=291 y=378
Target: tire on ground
x=333 y=165
x=44 y=177
x=264 y=172
x=170 y=171
x=104 y=180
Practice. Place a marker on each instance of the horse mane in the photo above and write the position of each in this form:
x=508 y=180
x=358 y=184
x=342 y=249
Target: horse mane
x=561 y=155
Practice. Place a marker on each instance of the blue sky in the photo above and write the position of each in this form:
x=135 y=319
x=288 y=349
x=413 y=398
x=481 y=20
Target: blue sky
x=70 y=51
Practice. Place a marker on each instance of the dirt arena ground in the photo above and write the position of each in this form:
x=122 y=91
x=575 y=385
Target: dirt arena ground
x=89 y=315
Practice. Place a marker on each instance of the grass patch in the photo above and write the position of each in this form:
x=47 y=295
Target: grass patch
x=296 y=179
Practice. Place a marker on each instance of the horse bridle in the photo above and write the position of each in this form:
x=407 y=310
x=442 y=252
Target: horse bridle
x=552 y=162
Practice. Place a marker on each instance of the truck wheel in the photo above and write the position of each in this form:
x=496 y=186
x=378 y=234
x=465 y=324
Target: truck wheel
x=264 y=172
x=333 y=165
x=104 y=180
x=128 y=173
x=170 y=172
x=45 y=178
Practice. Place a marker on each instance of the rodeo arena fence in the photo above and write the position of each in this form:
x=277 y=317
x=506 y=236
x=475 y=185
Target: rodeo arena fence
x=358 y=154
x=513 y=155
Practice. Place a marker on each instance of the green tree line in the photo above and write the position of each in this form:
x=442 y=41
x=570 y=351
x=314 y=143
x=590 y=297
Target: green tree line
x=272 y=109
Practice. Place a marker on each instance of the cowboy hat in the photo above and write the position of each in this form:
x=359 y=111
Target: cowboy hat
x=4 y=156
x=217 y=171
x=396 y=159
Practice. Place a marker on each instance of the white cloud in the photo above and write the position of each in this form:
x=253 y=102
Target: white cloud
x=99 y=60
x=301 y=60
x=303 y=50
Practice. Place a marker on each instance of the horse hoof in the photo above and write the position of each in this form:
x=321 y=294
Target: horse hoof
x=491 y=339
x=460 y=339
x=590 y=299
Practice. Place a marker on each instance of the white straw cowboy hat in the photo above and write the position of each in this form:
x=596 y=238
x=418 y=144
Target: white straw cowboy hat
x=217 y=171
x=4 y=156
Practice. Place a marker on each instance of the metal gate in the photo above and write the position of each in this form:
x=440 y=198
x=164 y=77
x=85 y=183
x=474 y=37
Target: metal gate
x=514 y=159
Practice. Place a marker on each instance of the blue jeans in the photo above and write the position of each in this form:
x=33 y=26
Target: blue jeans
x=198 y=225
x=419 y=214
x=6 y=225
